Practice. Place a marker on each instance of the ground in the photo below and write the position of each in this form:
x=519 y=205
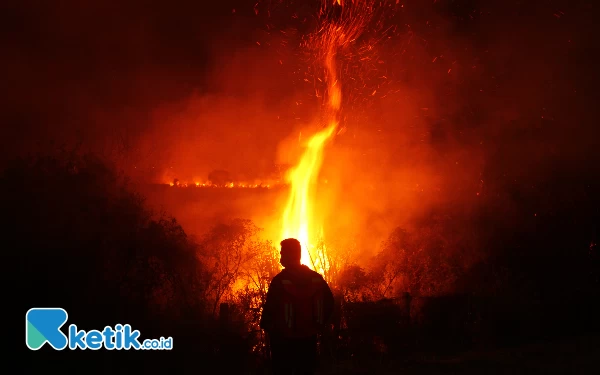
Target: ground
x=579 y=355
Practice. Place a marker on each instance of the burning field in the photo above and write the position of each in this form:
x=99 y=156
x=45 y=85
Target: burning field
x=380 y=120
x=437 y=160
x=331 y=190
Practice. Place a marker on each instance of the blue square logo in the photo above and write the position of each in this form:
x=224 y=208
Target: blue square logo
x=42 y=325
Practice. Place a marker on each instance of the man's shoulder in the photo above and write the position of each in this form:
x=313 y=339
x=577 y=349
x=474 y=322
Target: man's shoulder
x=280 y=276
x=307 y=272
x=301 y=273
x=314 y=274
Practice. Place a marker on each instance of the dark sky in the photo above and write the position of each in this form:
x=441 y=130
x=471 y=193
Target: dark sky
x=194 y=86
x=66 y=59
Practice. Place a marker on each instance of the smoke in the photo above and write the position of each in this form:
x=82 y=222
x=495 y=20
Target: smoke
x=460 y=100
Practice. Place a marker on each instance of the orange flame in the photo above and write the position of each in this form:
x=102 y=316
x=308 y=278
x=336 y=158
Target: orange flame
x=298 y=216
x=299 y=219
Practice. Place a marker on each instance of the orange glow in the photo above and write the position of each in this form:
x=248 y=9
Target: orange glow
x=231 y=185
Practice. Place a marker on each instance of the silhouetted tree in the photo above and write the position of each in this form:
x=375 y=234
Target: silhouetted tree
x=420 y=262
x=83 y=240
x=225 y=250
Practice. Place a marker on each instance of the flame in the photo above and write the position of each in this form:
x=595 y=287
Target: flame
x=298 y=216
x=299 y=213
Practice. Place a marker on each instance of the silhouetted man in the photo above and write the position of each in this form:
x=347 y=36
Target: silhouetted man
x=299 y=305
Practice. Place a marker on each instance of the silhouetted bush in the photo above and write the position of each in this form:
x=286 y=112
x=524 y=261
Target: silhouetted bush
x=81 y=239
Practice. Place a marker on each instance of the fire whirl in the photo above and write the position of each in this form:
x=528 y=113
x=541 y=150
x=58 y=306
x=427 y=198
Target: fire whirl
x=341 y=23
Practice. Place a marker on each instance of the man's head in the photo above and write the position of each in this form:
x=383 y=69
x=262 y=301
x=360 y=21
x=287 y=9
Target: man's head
x=291 y=252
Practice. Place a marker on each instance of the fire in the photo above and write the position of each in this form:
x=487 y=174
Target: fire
x=298 y=214
x=299 y=219
x=231 y=185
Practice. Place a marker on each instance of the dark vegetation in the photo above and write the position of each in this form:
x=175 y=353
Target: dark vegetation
x=77 y=236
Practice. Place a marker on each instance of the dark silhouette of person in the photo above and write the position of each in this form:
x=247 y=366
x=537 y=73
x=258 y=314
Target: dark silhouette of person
x=298 y=307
